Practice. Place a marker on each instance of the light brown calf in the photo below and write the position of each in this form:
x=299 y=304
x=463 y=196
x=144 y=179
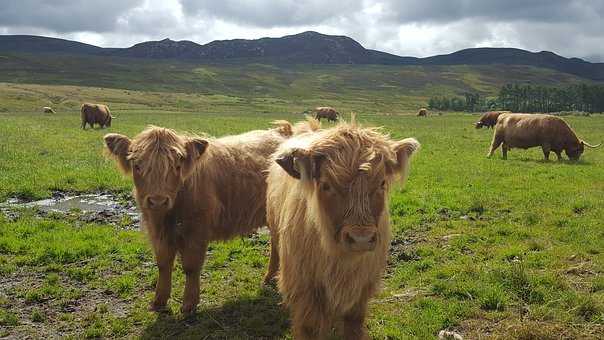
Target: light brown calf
x=193 y=190
x=327 y=210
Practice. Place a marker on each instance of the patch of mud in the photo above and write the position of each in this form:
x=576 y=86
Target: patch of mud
x=102 y=207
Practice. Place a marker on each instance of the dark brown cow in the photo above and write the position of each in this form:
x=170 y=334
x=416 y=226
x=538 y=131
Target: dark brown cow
x=422 y=112
x=95 y=114
x=489 y=119
x=521 y=130
x=326 y=112
x=193 y=190
x=327 y=211
x=48 y=109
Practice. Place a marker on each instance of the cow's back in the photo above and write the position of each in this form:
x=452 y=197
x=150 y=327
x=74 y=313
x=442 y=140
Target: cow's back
x=232 y=176
x=521 y=130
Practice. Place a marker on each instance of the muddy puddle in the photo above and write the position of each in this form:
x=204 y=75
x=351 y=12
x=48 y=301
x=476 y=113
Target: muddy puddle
x=93 y=207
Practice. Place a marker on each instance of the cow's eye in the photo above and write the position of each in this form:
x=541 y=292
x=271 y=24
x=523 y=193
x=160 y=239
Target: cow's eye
x=383 y=185
x=325 y=186
x=178 y=168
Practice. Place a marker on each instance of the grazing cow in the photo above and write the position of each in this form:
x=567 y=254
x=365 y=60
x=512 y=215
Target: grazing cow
x=521 y=130
x=422 y=113
x=193 y=190
x=95 y=114
x=326 y=112
x=489 y=119
x=47 y=109
x=327 y=211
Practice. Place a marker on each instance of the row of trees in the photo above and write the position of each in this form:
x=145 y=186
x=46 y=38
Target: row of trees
x=528 y=98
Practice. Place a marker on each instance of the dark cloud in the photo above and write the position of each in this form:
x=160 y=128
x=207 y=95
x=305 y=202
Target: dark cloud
x=65 y=15
x=272 y=13
x=404 y=27
x=494 y=10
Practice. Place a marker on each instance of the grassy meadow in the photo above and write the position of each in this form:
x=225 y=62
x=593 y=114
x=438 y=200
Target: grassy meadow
x=486 y=247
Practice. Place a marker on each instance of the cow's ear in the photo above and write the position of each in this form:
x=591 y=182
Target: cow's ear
x=403 y=150
x=300 y=164
x=117 y=146
x=195 y=147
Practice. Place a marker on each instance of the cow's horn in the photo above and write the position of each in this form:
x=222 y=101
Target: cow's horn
x=591 y=146
x=113 y=117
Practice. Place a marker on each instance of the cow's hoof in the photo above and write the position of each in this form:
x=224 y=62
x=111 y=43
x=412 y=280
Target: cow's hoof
x=157 y=307
x=188 y=309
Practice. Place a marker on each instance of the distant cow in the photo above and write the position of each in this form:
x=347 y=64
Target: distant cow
x=95 y=114
x=47 y=109
x=422 y=112
x=521 y=130
x=327 y=211
x=489 y=119
x=326 y=112
x=193 y=190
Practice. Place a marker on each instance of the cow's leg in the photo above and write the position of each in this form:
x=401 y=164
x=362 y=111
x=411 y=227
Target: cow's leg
x=309 y=324
x=354 y=323
x=83 y=125
x=273 y=262
x=546 y=150
x=497 y=140
x=504 y=150
x=164 y=256
x=193 y=256
x=559 y=154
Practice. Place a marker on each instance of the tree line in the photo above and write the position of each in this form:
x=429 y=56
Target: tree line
x=527 y=98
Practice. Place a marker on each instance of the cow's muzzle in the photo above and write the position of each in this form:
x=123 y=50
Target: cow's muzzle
x=478 y=125
x=359 y=238
x=158 y=202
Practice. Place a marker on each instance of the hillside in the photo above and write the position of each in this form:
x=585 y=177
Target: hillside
x=381 y=89
x=303 y=48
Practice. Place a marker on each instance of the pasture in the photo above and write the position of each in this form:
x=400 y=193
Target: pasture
x=486 y=247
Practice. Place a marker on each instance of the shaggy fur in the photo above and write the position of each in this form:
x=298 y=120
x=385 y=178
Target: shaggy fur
x=327 y=211
x=194 y=190
x=521 y=130
x=326 y=112
x=95 y=114
x=47 y=109
x=422 y=113
x=489 y=119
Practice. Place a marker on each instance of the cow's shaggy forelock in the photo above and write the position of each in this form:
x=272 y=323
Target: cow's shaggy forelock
x=156 y=150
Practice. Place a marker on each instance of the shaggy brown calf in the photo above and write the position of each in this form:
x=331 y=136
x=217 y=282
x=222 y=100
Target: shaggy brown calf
x=422 y=113
x=489 y=119
x=95 y=114
x=193 y=190
x=326 y=112
x=327 y=210
x=521 y=130
x=47 y=109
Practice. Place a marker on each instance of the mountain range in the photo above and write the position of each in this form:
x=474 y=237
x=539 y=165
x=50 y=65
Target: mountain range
x=303 y=48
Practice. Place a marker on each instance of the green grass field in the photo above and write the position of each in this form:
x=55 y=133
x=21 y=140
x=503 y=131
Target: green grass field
x=487 y=247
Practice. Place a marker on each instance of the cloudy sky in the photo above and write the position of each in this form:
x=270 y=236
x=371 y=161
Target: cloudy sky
x=403 y=27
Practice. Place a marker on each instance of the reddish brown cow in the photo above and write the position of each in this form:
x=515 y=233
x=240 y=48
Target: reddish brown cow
x=326 y=112
x=489 y=119
x=327 y=211
x=193 y=190
x=95 y=114
x=521 y=130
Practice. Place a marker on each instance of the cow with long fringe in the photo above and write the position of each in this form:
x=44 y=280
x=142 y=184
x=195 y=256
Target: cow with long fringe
x=193 y=190
x=327 y=212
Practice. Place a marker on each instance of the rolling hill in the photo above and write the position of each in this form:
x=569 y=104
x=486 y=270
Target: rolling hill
x=303 y=48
